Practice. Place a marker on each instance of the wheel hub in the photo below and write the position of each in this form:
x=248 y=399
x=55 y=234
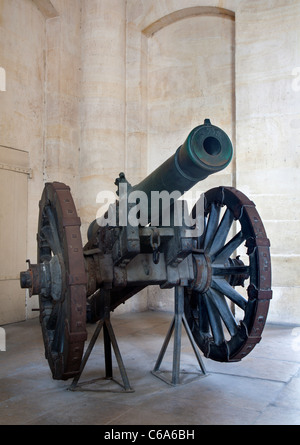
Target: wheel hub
x=203 y=272
x=44 y=279
x=204 y=269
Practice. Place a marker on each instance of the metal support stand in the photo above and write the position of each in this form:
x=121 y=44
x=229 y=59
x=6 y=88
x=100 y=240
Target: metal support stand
x=109 y=340
x=178 y=320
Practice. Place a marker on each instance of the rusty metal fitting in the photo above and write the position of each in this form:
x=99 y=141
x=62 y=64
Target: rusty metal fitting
x=202 y=272
x=44 y=278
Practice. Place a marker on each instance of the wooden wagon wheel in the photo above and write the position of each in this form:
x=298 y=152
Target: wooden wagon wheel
x=60 y=280
x=210 y=308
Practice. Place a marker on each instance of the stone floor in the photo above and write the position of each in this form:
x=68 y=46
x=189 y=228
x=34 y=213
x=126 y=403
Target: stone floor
x=262 y=389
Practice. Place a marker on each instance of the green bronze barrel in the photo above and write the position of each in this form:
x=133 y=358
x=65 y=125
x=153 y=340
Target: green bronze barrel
x=206 y=150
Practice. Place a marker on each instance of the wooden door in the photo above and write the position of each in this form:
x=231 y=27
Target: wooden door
x=14 y=173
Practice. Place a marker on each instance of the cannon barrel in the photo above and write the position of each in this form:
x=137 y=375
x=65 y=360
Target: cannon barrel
x=206 y=150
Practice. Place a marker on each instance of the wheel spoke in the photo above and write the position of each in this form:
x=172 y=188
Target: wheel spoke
x=222 y=232
x=214 y=321
x=224 y=287
x=58 y=339
x=225 y=252
x=47 y=233
x=52 y=320
x=51 y=234
x=202 y=315
x=224 y=311
x=44 y=247
x=212 y=225
x=220 y=270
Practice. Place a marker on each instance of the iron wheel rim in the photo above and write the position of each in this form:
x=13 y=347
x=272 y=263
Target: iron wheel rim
x=63 y=322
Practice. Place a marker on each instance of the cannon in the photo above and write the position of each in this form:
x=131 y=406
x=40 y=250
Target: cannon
x=77 y=284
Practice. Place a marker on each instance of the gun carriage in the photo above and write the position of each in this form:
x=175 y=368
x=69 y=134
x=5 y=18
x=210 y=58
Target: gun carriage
x=77 y=283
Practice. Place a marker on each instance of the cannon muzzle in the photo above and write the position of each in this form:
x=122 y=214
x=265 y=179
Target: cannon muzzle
x=206 y=150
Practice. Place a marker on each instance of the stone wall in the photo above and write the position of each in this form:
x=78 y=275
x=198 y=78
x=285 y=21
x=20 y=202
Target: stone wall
x=102 y=153
x=268 y=136
x=257 y=106
x=39 y=116
x=22 y=124
x=190 y=77
x=96 y=87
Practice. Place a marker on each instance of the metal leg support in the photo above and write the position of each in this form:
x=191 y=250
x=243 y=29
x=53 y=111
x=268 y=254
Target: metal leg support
x=109 y=340
x=176 y=327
